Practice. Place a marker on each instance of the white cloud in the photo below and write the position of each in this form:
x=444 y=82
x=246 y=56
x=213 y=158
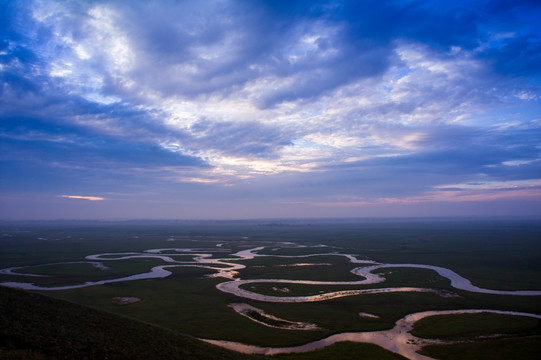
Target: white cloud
x=301 y=100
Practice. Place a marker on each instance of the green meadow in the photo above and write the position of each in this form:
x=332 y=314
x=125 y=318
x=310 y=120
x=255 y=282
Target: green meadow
x=502 y=255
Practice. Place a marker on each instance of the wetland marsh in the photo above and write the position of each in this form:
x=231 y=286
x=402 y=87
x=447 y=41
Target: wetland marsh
x=297 y=287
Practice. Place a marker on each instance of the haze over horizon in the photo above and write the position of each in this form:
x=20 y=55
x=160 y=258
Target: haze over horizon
x=269 y=109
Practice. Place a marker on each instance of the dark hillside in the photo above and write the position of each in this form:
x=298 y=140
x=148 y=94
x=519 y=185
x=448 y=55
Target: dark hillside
x=33 y=326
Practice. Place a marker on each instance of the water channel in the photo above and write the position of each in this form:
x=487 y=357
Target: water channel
x=397 y=339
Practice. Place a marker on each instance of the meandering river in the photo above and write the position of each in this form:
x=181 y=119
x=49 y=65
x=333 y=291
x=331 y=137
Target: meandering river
x=397 y=339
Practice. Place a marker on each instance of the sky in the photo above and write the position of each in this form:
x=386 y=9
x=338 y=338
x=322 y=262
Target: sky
x=223 y=109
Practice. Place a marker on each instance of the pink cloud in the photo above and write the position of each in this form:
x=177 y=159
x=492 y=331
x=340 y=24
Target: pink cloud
x=443 y=196
x=91 y=198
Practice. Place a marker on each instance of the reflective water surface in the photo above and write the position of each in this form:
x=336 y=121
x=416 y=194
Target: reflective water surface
x=397 y=340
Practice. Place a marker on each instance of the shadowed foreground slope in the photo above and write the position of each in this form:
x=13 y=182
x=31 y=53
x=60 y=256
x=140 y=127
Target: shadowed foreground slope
x=34 y=326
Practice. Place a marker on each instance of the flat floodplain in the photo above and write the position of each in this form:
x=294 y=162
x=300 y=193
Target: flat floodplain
x=294 y=272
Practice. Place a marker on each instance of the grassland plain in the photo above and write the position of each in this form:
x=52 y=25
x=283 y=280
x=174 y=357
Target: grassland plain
x=498 y=255
x=33 y=326
x=464 y=326
x=344 y=351
x=521 y=336
x=500 y=349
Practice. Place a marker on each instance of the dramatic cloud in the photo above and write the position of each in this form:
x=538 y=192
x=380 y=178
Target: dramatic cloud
x=273 y=108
